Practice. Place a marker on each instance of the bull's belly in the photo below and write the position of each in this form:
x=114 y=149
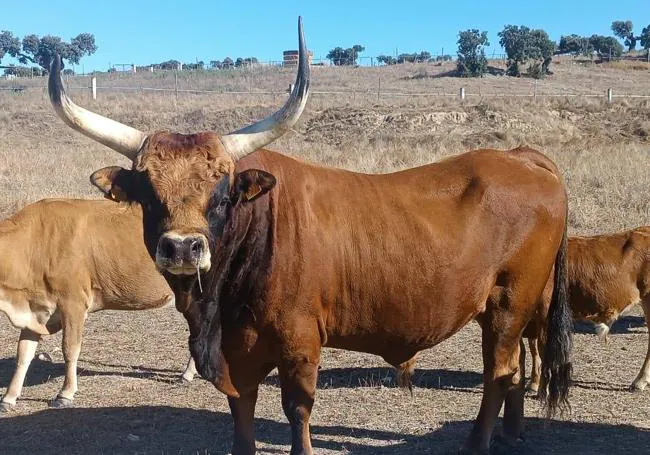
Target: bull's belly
x=396 y=343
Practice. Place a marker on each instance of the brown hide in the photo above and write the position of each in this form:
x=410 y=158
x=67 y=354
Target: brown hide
x=392 y=264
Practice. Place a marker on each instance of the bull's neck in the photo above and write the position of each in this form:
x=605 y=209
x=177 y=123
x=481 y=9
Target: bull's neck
x=241 y=265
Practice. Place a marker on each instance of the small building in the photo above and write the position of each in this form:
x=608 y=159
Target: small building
x=290 y=58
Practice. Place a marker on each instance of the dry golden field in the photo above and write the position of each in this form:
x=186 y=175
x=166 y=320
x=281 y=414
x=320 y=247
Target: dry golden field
x=129 y=399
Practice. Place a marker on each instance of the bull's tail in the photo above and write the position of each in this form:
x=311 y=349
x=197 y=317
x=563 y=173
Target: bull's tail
x=556 y=361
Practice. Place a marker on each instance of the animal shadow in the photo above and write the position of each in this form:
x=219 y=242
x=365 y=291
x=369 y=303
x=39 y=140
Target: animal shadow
x=164 y=429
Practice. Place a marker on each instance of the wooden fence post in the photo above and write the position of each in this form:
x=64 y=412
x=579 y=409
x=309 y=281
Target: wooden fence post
x=176 y=85
x=609 y=95
x=378 y=88
x=93 y=87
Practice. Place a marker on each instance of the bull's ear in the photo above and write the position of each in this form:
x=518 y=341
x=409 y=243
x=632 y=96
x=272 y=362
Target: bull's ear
x=253 y=183
x=115 y=182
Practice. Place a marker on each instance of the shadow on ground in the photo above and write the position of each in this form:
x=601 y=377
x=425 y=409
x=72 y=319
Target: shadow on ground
x=43 y=371
x=163 y=429
x=337 y=378
x=626 y=324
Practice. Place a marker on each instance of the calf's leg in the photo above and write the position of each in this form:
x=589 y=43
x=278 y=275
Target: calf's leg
x=643 y=378
x=536 y=371
x=27 y=345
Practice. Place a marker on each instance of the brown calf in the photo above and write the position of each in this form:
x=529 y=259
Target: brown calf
x=608 y=275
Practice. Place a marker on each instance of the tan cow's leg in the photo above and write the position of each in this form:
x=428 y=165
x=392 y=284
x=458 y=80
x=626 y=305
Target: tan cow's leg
x=73 y=320
x=298 y=376
x=643 y=378
x=536 y=370
x=190 y=371
x=27 y=345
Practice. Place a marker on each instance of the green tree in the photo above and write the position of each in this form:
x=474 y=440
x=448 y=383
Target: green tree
x=42 y=50
x=471 y=53
x=387 y=59
x=514 y=40
x=574 y=45
x=607 y=47
x=644 y=39
x=624 y=31
x=523 y=44
x=339 y=56
x=9 y=44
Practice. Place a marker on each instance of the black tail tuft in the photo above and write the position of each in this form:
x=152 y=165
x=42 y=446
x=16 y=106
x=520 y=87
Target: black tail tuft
x=556 y=361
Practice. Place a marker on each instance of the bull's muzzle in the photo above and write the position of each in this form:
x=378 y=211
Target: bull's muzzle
x=183 y=254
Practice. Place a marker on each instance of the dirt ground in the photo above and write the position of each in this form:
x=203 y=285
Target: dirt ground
x=130 y=400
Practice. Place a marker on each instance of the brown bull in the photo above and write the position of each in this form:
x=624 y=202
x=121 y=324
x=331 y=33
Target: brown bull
x=385 y=264
x=607 y=274
x=63 y=259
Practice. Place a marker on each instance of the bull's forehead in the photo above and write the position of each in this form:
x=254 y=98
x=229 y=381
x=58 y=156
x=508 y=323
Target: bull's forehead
x=183 y=170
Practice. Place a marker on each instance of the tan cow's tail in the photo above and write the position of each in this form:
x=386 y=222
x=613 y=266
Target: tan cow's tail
x=556 y=359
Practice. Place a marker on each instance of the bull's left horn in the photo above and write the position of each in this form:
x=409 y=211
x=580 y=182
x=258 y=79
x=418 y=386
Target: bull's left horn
x=246 y=140
x=119 y=137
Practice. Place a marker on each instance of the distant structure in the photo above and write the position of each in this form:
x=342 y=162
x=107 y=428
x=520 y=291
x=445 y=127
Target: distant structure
x=290 y=58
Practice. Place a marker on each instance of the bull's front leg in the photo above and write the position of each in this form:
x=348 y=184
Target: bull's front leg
x=298 y=374
x=243 y=415
x=27 y=345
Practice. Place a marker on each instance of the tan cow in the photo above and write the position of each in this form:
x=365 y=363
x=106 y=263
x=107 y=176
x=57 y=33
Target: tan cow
x=63 y=259
x=608 y=275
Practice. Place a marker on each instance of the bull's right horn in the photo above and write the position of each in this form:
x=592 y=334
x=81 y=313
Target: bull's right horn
x=246 y=140
x=119 y=137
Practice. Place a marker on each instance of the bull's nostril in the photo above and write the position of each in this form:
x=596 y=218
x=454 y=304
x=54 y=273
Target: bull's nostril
x=195 y=247
x=167 y=248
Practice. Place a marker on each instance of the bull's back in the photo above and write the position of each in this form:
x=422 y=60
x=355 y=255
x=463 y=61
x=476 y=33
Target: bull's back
x=401 y=259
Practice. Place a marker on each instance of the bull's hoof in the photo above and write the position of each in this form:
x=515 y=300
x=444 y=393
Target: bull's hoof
x=5 y=408
x=44 y=357
x=638 y=386
x=184 y=381
x=532 y=388
x=60 y=403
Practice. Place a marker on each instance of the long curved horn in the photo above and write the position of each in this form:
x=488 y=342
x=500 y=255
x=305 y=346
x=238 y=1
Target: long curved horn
x=246 y=140
x=119 y=137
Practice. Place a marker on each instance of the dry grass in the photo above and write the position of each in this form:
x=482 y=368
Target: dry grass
x=129 y=401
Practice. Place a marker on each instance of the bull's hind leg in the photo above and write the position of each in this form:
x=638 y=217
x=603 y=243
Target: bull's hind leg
x=503 y=377
x=27 y=345
x=643 y=378
x=73 y=320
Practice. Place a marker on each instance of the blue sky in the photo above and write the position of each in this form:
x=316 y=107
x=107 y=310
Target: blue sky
x=147 y=31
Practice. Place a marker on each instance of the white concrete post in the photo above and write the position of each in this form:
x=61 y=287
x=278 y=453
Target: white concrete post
x=93 y=87
x=462 y=93
x=609 y=95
